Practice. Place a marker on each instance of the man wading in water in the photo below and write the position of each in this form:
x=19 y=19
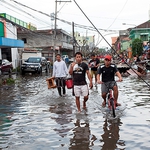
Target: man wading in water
x=60 y=72
x=78 y=70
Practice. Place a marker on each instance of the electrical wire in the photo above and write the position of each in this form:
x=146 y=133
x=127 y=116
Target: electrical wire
x=32 y=33
x=81 y=26
x=118 y=14
x=64 y=21
x=61 y=7
x=21 y=10
x=109 y=44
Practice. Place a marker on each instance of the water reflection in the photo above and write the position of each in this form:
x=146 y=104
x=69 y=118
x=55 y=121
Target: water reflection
x=110 y=137
x=81 y=135
x=63 y=111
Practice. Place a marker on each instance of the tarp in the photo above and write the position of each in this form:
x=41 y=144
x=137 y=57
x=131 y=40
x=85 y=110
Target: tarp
x=13 y=43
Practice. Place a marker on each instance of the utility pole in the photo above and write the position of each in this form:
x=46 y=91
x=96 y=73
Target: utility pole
x=73 y=39
x=55 y=24
x=55 y=29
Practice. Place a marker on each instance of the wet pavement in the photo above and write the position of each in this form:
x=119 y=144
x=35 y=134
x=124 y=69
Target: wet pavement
x=33 y=117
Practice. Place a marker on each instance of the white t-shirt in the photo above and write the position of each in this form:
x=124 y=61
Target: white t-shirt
x=60 y=69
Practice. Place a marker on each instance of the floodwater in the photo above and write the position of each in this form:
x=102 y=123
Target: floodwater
x=33 y=117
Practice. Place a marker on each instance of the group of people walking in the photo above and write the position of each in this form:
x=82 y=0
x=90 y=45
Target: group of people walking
x=104 y=74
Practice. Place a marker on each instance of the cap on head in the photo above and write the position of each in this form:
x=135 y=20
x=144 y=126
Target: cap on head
x=108 y=57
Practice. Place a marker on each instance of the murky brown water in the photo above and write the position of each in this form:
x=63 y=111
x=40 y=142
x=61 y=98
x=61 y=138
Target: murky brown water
x=33 y=117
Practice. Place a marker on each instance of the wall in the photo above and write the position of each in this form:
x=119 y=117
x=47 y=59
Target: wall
x=12 y=33
x=15 y=57
x=44 y=40
x=125 y=45
x=41 y=40
x=37 y=40
x=26 y=55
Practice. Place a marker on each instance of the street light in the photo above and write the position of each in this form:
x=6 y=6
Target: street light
x=131 y=25
x=128 y=24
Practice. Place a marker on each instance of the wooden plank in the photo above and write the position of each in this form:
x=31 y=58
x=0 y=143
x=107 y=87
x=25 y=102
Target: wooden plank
x=50 y=83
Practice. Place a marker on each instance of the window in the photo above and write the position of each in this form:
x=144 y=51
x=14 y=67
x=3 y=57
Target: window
x=33 y=60
x=144 y=37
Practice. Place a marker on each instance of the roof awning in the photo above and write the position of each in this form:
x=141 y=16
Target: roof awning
x=12 y=43
x=144 y=33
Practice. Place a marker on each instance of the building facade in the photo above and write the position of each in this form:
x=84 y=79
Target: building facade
x=9 y=42
x=49 y=42
x=126 y=37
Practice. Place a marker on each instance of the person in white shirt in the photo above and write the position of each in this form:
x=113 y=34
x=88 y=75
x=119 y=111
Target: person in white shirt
x=60 y=73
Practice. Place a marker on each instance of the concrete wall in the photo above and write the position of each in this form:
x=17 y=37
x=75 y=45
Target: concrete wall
x=39 y=40
x=44 y=40
x=26 y=55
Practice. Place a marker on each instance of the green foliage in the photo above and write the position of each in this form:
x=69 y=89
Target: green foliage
x=137 y=47
x=10 y=81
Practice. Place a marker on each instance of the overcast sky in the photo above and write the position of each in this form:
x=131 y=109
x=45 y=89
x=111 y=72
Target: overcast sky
x=107 y=15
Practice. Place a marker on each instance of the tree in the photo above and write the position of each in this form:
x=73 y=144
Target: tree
x=137 y=47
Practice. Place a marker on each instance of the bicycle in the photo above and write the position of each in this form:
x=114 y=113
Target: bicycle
x=110 y=100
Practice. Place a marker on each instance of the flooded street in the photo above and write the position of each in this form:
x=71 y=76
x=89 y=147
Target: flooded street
x=33 y=117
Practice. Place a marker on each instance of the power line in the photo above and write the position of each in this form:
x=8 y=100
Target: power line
x=61 y=20
x=20 y=10
x=64 y=21
x=32 y=33
x=118 y=14
x=108 y=43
